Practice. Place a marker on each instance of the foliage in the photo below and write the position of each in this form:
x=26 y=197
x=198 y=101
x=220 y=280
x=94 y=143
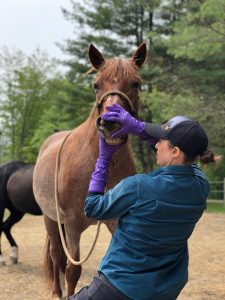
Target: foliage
x=69 y=105
x=200 y=34
x=23 y=90
x=213 y=207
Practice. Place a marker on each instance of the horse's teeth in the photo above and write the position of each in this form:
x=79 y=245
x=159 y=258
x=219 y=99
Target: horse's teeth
x=115 y=141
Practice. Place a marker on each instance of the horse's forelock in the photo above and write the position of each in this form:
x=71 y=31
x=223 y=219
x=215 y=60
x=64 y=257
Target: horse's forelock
x=120 y=69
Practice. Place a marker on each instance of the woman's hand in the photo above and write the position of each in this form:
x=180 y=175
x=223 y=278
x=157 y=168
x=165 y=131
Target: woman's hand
x=99 y=176
x=116 y=113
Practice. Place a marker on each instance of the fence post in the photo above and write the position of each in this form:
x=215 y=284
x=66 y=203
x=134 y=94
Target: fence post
x=224 y=191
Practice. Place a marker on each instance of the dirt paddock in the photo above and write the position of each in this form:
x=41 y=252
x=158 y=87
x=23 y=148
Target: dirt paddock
x=24 y=281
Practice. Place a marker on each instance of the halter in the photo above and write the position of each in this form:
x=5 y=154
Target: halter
x=115 y=92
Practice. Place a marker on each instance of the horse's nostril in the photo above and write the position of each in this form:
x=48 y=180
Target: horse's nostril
x=98 y=120
x=102 y=123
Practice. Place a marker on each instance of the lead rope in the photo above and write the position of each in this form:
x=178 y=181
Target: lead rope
x=74 y=262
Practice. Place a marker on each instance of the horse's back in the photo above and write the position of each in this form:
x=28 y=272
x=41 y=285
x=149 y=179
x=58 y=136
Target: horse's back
x=20 y=190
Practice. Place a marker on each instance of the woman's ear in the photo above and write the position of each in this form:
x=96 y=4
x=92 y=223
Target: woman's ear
x=176 y=152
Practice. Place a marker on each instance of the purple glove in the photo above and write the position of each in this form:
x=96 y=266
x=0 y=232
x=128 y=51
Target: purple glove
x=116 y=113
x=99 y=176
x=129 y=124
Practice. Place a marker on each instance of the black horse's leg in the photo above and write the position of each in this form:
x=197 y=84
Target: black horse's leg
x=14 y=217
x=2 y=261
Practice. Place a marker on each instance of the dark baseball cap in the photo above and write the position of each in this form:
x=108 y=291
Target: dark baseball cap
x=182 y=132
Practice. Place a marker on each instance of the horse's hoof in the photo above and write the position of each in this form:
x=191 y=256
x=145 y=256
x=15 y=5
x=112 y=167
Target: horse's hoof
x=14 y=255
x=2 y=262
x=14 y=260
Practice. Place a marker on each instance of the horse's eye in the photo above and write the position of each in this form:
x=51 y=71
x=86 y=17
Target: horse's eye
x=96 y=87
x=136 y=85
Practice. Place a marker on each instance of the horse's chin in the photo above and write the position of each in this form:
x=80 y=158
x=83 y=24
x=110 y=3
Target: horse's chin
x=107 y=129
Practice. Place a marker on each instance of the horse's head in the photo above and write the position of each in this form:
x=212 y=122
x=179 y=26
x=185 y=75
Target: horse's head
x=117 y=81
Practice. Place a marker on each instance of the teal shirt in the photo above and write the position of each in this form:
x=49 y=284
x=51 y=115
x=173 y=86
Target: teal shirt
x=147 y=258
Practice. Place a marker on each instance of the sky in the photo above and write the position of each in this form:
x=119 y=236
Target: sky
x=28 y=24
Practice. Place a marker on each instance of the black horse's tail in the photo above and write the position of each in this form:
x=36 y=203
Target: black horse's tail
x=5 y=172
x=4 y=176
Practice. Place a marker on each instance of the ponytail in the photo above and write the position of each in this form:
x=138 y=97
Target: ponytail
x=207 y=157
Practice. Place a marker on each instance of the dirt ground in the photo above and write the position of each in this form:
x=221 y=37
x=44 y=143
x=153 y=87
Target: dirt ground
x=24 y=281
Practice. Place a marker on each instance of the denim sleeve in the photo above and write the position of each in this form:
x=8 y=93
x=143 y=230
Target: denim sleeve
x=114 y=203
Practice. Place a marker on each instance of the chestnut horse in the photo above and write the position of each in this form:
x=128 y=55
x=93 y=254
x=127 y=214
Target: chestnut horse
x=117 y=81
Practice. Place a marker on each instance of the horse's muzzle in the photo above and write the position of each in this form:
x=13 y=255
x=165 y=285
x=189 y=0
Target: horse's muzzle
x=107 y=129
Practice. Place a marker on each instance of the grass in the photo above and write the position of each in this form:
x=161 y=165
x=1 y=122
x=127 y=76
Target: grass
x=215 y=206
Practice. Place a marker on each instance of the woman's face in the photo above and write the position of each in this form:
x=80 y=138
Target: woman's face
x=165 y=153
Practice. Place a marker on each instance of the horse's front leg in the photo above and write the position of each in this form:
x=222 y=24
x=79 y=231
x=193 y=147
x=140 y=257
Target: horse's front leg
x=54 y=260
x=57 y=289
x=73 y=272
x=72 y=276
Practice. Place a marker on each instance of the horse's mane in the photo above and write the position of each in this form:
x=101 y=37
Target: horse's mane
x=119 y=68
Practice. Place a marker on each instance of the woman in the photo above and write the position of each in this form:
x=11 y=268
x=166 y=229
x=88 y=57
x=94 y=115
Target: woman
x=147 y=258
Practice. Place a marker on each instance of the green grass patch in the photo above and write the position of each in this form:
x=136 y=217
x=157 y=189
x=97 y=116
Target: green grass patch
x=215 y=207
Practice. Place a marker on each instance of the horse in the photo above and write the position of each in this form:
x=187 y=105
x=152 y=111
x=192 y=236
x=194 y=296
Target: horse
x=117 y=81
x=16 y=194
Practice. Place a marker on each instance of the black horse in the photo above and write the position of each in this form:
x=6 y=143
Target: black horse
x=16 y=194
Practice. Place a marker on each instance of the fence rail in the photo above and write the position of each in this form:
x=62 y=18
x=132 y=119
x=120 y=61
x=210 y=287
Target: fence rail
x=217 y=192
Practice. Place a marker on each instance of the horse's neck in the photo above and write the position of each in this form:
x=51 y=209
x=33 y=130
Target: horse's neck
x=90 y=125
x=88 y=133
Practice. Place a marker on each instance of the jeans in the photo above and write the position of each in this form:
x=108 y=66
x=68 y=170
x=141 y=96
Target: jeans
x=99 y=289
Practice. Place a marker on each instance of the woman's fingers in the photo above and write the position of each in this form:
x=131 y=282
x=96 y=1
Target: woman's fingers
x=114 y=108
x=110 y=117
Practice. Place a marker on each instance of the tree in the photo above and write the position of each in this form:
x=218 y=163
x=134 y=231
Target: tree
x=199 y=39
x=116 y=27
x=200 y=33
x=175 y=79
x=23 y=92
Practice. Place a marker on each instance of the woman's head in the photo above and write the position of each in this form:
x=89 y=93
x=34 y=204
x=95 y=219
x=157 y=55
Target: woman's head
x=182 y=134
x=167 y=154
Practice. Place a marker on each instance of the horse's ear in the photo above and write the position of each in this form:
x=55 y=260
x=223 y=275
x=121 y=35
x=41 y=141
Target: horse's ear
x=140 y=55
x=95 y=57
